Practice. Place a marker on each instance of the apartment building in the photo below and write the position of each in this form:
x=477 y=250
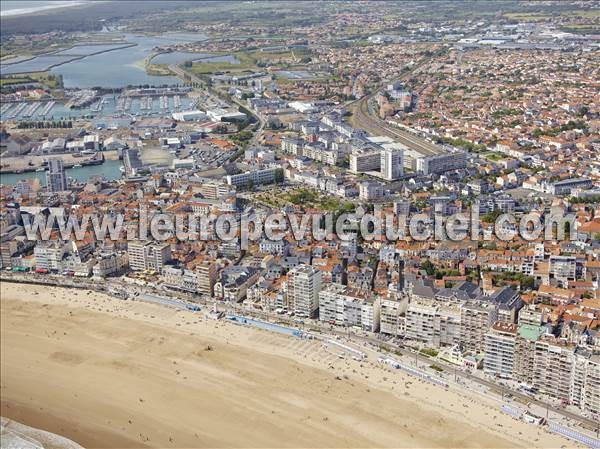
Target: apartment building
x=420 y=318
x=319 y=152
x=365 y=160
x=198 y=281
x=292 y=145
x=562 y=269
x=303 y=287
x=530 y=315
x=476 y=317
x=591 y=391
x=508 y=303
x=49 y=255
x=585 y=381
x=7 y=249
x=148 y=255
x=344 y=306
x=527 y=336
x=256 y=177
x=109 y=263
x=389 y=317
x=370 y=314
x=433 y=323
x=402 y=207
x=212 y=190
x=564 y=187
x=500 y=343
x=435 y=163
x=553 y=367
x=392 y=162
x=369 y=190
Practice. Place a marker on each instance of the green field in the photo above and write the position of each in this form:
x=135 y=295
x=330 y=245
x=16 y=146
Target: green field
x=247 y=61
x=45 y=78
x=493 y=156
x=9 y=81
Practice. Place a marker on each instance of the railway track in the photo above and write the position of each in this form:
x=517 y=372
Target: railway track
x=366 y=119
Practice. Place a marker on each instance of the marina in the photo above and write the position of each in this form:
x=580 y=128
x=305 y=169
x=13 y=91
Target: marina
x=30 y=110
x=106 y=105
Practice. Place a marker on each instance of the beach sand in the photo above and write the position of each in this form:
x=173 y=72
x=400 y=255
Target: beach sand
x=110 y=373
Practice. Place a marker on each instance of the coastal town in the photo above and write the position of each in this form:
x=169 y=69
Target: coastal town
x=428 y=118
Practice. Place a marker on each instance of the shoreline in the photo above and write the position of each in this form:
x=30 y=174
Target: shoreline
x=146 y=362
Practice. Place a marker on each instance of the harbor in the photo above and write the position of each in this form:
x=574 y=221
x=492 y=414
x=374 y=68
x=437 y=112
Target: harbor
x=76 y=170
x=89 y=107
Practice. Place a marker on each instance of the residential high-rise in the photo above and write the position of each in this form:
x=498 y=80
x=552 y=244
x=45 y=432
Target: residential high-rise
x=476 y=317
x=553 y=367
x=392 y=163
x=500 y=350
x=56 y=180
x=527 y=335
x=585 y=381
x=344 y=306
x=148 y=255
x=390 y=320
x=207 y=276
x=433 y=323
x=303 y=287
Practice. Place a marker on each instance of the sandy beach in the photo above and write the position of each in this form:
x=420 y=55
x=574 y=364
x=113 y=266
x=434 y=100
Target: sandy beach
x=122 y=374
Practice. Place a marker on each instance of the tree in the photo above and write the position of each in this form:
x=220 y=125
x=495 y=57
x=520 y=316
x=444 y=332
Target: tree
x=279 y=176
x=428 y=267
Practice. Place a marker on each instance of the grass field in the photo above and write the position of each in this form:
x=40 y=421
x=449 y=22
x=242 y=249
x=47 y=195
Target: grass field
x=533 y=16
x=45 y=78
x=9 y=81
x=493 y=156
x=246 y=62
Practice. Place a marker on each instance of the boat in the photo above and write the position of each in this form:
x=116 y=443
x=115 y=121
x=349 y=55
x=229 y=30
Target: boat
x=40 y=169
x=77 y=165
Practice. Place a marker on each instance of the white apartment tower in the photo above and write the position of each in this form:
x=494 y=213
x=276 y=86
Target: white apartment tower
x=553 y=365
x=303 y=287
x=392 y=163
x=500 y=344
